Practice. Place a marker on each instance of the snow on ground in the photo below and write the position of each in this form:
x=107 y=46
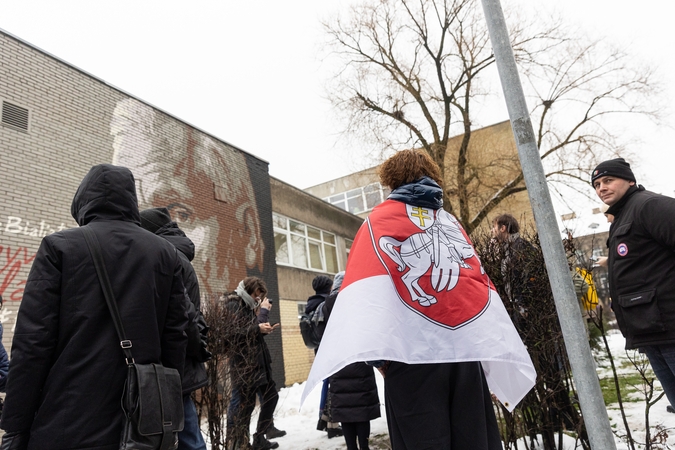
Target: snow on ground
x=300 y=423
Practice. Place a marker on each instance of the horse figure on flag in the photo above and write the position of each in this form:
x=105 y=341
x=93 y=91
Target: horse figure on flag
x=441 y=247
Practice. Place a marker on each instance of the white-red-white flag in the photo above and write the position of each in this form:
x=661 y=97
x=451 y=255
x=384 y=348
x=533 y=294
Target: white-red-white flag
x=415 y=291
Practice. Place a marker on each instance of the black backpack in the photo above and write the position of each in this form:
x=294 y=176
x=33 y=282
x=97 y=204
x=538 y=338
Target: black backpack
x=309 y=328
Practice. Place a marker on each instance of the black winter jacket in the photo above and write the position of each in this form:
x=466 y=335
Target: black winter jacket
x=642 y=267
x=194 y=373
x=67 y=370
x=250 y=359
x=352 y=391
x=353 y=394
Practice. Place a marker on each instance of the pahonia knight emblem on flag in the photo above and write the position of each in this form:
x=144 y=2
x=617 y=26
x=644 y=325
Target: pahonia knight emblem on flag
x=433 y=265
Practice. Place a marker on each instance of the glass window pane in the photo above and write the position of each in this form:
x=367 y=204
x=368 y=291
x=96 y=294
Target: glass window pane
x=279 y=222
x=355 y=205
x=281 y=247
x=329 y=237
x=336 y=198
x=373 y=199
x=348 y=244
x=297 y=227
x=315 y=255
x=341 y=205
x=331 y=259
x=314 y=233
x=371 y=188
x=354 y=193
x=299 y=251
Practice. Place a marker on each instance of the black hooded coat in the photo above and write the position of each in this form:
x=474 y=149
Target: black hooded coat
x=194 y=376
x=67 y=369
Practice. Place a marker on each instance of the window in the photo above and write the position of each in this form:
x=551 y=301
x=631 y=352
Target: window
x=300 y=245
x=361 y=199
x=301 y=308
x=597 y=253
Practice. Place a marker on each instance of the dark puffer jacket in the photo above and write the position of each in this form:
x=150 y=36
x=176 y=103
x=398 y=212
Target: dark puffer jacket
x=352 y=391
x=67 y=369
x=642 y=267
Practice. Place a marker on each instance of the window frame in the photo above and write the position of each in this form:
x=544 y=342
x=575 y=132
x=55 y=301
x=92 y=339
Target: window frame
x=341 y=199
x=322 y=242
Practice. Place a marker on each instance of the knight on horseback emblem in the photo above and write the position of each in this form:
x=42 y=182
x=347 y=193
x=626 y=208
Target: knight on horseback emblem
x=440 y=246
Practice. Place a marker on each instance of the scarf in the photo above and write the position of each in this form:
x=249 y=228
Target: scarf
x=241 y=292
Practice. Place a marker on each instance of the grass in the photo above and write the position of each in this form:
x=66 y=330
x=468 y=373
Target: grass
x=628 y=383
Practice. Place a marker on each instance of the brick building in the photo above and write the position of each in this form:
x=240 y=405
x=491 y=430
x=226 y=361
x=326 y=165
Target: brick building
x=57 y=121
x=360 y=192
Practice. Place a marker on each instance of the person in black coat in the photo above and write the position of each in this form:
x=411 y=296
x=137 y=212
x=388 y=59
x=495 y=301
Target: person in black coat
x=352 y=393
x=67 y=369
x=158 y=221
x=250 y=366
x=641 y=266
x=322 y=285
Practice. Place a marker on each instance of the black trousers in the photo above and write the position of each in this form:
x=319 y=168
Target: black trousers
x=241 y=408
x=440 y=407
x=353 y=431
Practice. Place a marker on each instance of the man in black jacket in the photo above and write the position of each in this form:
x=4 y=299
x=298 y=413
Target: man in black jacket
x=641 y=266
x=517 y=255
x=67 y=369
x=158 y=221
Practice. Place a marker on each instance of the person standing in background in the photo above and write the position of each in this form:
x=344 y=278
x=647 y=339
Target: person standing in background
x=250 y=366
x=353 y=398
x=4 y=361
x=641 y=266
x=67 y=370
x=158 y=221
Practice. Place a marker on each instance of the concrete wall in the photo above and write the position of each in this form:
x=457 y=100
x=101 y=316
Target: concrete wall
x=295 y=284
x=219 y=194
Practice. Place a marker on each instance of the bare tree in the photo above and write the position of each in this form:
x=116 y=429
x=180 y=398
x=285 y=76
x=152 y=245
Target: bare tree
x=414 y=72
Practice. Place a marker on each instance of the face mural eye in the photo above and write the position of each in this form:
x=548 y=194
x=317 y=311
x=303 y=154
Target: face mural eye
x=180 y=213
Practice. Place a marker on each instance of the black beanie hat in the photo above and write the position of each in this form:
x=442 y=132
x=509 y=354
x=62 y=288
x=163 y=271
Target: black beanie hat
x=617 y=167
x=153 y=219
x=322 y=284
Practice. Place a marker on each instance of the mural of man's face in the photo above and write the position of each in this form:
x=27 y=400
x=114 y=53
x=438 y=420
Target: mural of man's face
x=204 y=184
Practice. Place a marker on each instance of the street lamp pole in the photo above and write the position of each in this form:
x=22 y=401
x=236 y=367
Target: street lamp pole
x=571 y=323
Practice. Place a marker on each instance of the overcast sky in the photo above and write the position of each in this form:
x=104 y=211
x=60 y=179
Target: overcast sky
x=249 y=73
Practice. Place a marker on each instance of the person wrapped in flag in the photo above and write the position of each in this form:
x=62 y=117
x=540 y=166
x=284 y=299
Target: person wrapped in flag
x=416 y=298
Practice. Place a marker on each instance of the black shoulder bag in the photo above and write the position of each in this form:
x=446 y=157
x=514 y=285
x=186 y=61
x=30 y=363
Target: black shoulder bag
x=152 y=399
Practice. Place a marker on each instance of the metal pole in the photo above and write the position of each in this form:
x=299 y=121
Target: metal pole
x=569 y=314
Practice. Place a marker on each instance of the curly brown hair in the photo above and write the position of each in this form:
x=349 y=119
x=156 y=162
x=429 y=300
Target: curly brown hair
x=407 y=166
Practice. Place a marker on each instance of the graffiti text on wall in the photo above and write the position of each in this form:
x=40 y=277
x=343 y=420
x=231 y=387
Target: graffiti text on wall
x=17 y=225
x=11 y=262
x=14 y=259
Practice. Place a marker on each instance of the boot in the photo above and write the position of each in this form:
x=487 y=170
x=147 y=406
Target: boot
x=334 y=432
x=260 y=443
x=273 y=432
x=321 y=426
x=670 y=409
